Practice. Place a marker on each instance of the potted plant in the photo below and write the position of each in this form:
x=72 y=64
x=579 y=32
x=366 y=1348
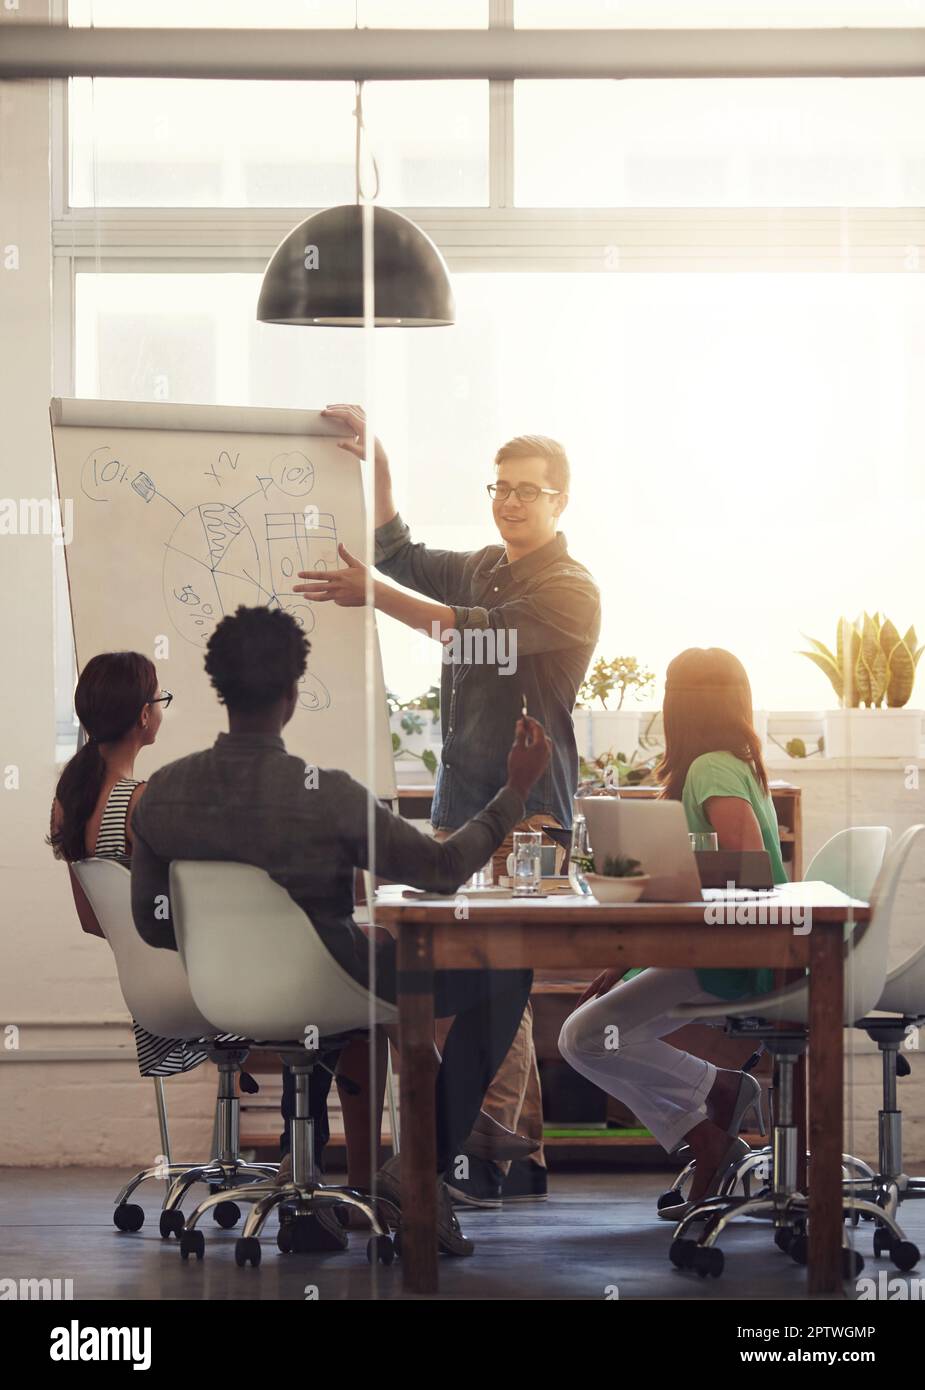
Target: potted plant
x=872 y=672
x=620 y=880
x=415 y=727
x=607 y=681
x=610 y=769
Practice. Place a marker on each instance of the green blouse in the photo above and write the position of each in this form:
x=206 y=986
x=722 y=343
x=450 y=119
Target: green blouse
x=723 y=774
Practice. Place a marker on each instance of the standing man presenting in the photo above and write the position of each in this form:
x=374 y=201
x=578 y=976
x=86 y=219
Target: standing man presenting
x=515 y=619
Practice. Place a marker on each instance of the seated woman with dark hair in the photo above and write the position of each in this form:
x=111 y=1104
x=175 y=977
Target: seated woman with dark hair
x=120 y=707
x=712 y=764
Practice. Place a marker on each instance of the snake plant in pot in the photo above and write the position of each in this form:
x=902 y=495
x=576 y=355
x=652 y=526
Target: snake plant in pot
x=872 y=671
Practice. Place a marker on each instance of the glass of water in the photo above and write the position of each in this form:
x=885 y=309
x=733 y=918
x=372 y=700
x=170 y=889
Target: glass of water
x=527 y=863
x=704 y=839
x=482 y=878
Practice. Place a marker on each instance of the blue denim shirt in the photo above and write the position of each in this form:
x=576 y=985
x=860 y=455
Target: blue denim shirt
x=527 y=628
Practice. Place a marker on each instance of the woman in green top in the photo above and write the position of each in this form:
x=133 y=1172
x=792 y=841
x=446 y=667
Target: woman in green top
x=712 y=764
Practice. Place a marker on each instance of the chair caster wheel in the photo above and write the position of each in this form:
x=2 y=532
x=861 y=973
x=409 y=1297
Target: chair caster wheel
x=904 y=1254
x=171 y=1223
x=852 y=1262
x=681 y=1253
x=380 y=1248
x=192 y=1243
x=799 y=1248
x=883 y=1241
x=129 y=1217
x=708 y=1260
x=673 y=1198
x=284 y=1238
x=226 y=1215
x=783 y=1238
x=247 y=1251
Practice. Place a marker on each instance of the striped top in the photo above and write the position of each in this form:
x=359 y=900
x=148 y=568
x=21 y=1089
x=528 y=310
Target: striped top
x=156 y=1056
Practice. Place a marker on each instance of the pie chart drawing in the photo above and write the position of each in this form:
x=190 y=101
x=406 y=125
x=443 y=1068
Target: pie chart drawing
x=211 y=566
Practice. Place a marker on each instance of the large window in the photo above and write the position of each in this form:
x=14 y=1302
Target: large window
x=794 y=142
x=746 y=448
x=274 y=144
x=672 y=277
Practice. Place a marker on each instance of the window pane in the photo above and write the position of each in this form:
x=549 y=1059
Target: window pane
x=766 y=426
x=160 y=143
x=731 y=143
x=280 y=14
x=716 y=14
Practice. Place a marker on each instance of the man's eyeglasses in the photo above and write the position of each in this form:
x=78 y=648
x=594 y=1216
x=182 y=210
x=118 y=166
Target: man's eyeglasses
x=164 y=699
x=524 y=492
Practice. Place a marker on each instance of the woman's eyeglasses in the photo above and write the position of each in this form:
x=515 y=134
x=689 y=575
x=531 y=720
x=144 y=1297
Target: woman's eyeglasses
x=164 y=699
x=524 y=492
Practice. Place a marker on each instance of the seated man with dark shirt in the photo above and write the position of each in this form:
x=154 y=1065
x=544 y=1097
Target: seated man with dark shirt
x=247 y=800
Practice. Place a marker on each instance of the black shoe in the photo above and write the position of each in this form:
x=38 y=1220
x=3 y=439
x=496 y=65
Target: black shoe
x=482 y=1188
x=312 y=1232
x=525 y=1182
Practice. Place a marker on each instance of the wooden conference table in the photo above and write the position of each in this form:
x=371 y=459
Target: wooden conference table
x=566 y=932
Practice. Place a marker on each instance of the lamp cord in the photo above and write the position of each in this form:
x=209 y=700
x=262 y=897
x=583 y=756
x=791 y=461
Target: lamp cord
x=361 y=129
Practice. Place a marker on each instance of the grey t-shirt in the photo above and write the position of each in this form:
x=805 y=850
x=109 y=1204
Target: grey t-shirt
x=247 y=800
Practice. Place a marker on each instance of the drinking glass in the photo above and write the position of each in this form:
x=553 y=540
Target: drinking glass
x=579 y=855
x=527 y=863
x=482 y=878
x=704 y=839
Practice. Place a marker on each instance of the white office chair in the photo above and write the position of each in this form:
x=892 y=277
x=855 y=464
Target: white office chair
x=256 y=965
x=850 y=861
x=864 y=977
x=156 y=992
x=900 y=1009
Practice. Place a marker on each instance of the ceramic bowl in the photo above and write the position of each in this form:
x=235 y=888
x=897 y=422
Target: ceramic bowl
x=617 y=890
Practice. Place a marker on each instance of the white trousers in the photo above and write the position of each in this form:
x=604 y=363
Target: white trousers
x=615 y=1041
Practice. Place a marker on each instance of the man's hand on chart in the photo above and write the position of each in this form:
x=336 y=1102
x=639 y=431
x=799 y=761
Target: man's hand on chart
x=346 y=588
x=355 y=417
x=603 y=984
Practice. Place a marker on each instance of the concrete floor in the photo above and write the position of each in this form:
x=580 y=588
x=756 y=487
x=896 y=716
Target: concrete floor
x=597 y=1232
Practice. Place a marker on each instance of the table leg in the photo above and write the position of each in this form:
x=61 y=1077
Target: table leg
x=418 y=1132
x=826 y=1014
x=800 y=1117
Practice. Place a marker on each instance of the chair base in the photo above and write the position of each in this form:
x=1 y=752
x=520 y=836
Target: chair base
x=225 y=1171
x=264 y=1197
x=303 y=1190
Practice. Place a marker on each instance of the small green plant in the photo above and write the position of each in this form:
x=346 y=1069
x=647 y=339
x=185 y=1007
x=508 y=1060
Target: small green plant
x=796 y=747
x=412 y=722
x=428 y=757
x=623 y=674
x=619 y=866
x=871 y=662
x=610 y=767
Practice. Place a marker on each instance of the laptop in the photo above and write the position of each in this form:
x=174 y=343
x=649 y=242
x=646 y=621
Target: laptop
x=655 y=833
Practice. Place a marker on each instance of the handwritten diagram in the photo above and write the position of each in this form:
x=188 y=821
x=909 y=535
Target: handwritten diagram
x=219 y=554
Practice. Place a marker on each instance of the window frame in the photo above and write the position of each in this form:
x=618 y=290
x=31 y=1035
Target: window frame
x=496 y=238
